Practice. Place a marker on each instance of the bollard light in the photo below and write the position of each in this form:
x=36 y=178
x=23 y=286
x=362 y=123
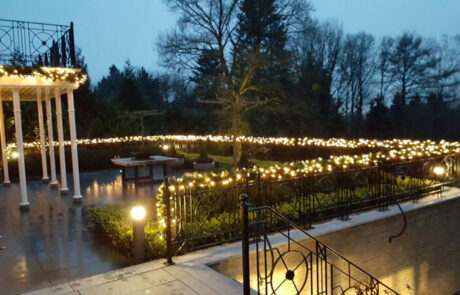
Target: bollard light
x=138 y=213
x=138 y=216
x=439 y=170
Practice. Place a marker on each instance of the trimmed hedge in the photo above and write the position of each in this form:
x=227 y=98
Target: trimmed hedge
x=114 y=224
x=97 y=157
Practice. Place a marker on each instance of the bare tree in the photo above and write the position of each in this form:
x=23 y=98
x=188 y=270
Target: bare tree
x=316 y=49
x=356 y=72
x=319 y=42
x=385 y=78
x=210 y=26
x=365 y=68
x=410 y=62
x=444 y=78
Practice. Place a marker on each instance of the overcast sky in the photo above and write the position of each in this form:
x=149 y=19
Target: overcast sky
x=111 y=31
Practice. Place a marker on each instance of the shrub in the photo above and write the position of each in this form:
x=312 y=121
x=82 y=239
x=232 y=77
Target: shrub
x=216 y=216
x=114 y=224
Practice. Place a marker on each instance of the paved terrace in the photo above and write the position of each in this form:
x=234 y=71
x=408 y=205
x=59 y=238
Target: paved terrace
x=51 y=244
x=191 y=274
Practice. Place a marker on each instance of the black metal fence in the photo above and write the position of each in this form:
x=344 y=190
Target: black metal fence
x=204 y=217
x=36 y=44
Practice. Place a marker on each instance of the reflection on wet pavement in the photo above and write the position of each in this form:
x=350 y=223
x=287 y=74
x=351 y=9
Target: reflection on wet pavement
x=51 y=243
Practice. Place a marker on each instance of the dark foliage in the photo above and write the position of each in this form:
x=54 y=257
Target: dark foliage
x=316 y=80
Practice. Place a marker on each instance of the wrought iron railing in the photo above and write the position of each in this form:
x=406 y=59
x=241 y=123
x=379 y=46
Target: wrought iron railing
x=36 y=44
x=300 y=264
x=204 y=217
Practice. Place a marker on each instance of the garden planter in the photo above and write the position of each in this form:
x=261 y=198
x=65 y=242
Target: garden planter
x=203 y=166
x=178 y=164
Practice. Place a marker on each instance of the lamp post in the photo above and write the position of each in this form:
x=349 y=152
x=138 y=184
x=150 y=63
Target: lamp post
x=138 y=216
x=440 y=173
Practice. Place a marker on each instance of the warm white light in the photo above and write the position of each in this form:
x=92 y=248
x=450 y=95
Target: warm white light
x=439 y=170
x=138 y=213
x=165 y=147
x=15 y=155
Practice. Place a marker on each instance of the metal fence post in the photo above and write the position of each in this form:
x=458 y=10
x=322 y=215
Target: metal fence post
x=245 y=243
x=167 y=202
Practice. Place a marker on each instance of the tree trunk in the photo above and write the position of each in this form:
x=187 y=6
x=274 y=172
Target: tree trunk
x=237 y=151
x=236 y=131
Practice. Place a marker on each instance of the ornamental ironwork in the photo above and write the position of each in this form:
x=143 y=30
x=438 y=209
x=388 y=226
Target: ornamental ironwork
x=301 y=265
x=36 y=44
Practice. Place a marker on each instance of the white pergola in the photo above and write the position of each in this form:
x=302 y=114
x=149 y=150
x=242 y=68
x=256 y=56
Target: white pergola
x=40 y=90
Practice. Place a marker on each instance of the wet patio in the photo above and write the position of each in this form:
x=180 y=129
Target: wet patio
x=51 y=243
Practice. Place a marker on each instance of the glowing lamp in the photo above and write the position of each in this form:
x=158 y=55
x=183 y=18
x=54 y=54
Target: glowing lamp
x=165 y=147
x=15 y=155
x=138 y=213
x=439 y=170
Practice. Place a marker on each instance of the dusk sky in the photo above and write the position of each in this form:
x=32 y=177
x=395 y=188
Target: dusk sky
x=112 y=31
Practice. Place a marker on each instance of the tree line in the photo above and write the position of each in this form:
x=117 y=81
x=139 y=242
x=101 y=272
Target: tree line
x=267 y=67
x=274 y=69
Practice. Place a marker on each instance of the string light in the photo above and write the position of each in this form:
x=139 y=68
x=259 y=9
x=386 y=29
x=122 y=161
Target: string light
x=394 y=150
x=319 y=165
x=47 y=74
x=386 y=149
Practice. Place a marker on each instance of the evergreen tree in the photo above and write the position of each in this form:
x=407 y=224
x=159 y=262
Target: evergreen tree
x=378 y=123
x=129 y=95
x=107 y=89
x=261 y=42
x=150 y=89
x=85 y=102
x=207 y=75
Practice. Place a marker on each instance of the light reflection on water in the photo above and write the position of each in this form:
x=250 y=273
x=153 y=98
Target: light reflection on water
x=106 y=187
x=110 y=189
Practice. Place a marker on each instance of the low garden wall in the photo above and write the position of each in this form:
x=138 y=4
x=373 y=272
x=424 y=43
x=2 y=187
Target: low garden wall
x=423 y=260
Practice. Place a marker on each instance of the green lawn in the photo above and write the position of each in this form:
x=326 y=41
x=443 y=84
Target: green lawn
x=226 y=162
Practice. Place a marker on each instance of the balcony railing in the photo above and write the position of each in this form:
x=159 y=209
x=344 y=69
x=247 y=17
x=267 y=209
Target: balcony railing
x=36 y=44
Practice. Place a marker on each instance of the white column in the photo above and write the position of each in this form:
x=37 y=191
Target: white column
x=6 y=176
x=73 y=140
x=49 y=122
x=24 y=205
x=41 y=127
x=60 y=128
